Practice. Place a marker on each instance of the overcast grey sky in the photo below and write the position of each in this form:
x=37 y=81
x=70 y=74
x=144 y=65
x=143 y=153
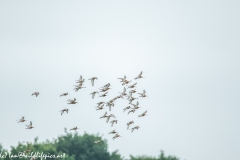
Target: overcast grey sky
x=188 y=52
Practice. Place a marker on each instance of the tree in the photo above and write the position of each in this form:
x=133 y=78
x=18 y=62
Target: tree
x=73 y=145
x=160 y=157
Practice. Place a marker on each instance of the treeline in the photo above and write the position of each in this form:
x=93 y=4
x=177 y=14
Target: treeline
x=71 y=146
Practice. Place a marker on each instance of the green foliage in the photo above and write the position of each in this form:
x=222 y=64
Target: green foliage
x=160 y=157
x=75 y=147
x=82 y=147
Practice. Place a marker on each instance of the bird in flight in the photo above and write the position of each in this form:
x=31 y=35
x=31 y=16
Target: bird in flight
x=103 y=95
x=108 y=117
x=29 y=126
x=133 y=85
x=139 y=76
x=123 y=79
x=113 y=121
x=93 y=94
x=75 y=128
x=35 y=93
x=81 y=80
x=97 y=142
x=137 y=127
x=100 y=107
x=142 y=115
x=110 y=104
x=104 y=116
x=22 y=120
x=135 y=105
x=113 y=132
x=92 y=80
x=126 y=108
x=72 y=101
x=64 y=110
x=116 y=136
x=143 y=94
x=64 y=94
x=133 y=110
x=124 y=92
x=129 y=123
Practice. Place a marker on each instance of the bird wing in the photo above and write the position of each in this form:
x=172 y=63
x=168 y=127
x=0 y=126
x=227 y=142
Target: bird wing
x=107 y=119
x=144 y=91
x=124 y=90
x=130 y=94
x=145 y=112
x=105 y=114
x=140 y=74
x=92 y=80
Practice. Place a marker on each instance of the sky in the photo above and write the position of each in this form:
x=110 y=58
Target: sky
x=188 y=52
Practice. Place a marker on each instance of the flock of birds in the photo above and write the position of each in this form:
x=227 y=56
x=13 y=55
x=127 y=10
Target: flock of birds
x=103 y=91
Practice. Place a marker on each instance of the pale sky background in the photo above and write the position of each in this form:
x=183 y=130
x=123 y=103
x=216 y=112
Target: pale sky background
x=188 y=52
